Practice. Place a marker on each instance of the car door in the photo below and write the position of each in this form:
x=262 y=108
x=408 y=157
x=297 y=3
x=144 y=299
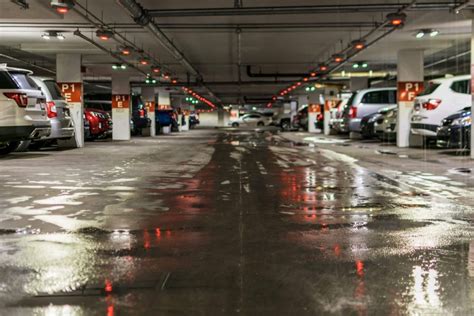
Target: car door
x=251 y=120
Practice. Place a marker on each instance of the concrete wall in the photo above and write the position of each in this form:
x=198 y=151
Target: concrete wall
x=211 y=119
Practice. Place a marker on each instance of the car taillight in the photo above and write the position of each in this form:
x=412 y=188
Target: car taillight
x=51 y=110
x=21 y=99
x=432 y=104
x=353 y=112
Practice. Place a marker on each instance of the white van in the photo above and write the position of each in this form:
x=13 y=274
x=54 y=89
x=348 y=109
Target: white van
x=441 y=98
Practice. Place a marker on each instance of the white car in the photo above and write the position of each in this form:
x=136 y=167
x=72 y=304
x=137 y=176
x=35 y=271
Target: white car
x=22 y=109
x=251 y=120
x=441 y=98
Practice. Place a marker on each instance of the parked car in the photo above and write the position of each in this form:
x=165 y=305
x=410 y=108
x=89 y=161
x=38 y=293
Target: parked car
x=251 y=120
x=22 y=109
x=337 y=123
x=193 y=120
x=455 y=130
x=300 y=120
x=282 y=120
x=62 y=126
x=366 y=102
x=440 y=99
x=367 y=125
x=139 y=116
x=100 y=123
x=386 y=125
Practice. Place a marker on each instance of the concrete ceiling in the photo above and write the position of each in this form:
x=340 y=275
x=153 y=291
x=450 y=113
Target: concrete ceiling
x=289 y=43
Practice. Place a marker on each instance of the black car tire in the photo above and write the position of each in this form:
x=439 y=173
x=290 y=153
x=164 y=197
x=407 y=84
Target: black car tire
x=260 y=124
x=285 y=125
x=8 y=147
x=235 y=124
x=23 y=146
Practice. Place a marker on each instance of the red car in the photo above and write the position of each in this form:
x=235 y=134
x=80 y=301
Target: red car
x=100 y=123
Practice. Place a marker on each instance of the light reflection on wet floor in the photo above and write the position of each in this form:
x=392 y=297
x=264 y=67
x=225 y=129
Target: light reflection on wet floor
x=264 y=227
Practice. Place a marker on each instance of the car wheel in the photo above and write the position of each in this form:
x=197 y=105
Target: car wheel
x=235 y=124
x=23 y=146
x=8 y=147
x=37 y=145
x=260 y=124
x=285 y=125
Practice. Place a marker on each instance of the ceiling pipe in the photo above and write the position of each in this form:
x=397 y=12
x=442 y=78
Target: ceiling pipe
x=141 y=17
x=308 y=9
x=28 y=63
x=463 y=6
x=273 y=75
x=102 y=48
x=99 y=24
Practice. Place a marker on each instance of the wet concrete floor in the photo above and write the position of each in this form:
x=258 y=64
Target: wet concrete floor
x=225 y=222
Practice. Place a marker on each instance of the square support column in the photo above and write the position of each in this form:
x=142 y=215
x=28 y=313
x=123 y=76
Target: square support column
x=472 y=89
x=149 y=97
x=69 y=79
x=121 y=107
x=410 y=82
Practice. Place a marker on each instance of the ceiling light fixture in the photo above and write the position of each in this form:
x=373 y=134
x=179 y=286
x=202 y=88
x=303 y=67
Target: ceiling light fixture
x=323 y=67
x=434 y=33
x=126 y=51
x=338 y=58
x=53 y=34
x=62 y=6
x=143 y=61
x=104 y=34
x=397 y=19
x=359 y=44
x=156 y=69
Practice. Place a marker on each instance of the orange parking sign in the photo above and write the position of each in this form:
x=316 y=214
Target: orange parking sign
x=120 y=101
x=408 y=91
x=71 y=91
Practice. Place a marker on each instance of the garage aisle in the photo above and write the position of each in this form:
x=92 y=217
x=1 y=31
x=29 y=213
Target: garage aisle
x=225 y=222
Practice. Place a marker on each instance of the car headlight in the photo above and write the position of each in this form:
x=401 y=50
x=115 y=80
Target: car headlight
x=390 y=114
x=462 y=121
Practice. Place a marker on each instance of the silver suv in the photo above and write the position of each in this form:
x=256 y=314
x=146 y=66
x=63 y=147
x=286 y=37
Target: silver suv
x=366 y=102
x=22 y=109
x=57 y=110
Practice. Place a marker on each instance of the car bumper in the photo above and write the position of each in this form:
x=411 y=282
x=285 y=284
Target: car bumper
x=40 y=132
x=452 y=137
x=14 y=133
x=61 y=129
x=427 y=130
x=354 y=125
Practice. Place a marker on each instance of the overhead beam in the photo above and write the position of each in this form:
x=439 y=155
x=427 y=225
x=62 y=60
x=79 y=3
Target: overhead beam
x=307 y=9
x=142 y=17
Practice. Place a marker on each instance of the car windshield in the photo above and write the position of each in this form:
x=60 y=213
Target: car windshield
x=6 y=82
x=430 y=87
x=53 y=89
x=24 y=81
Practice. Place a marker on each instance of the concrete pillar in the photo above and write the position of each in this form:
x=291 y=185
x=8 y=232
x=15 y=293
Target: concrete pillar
x=69 y=78
x=410 y=80
x=164 y=99
x=121 y=104
x=472 y=90
x=314 y=109
x=220 y=117
x=149 y=97
x=327 y=117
